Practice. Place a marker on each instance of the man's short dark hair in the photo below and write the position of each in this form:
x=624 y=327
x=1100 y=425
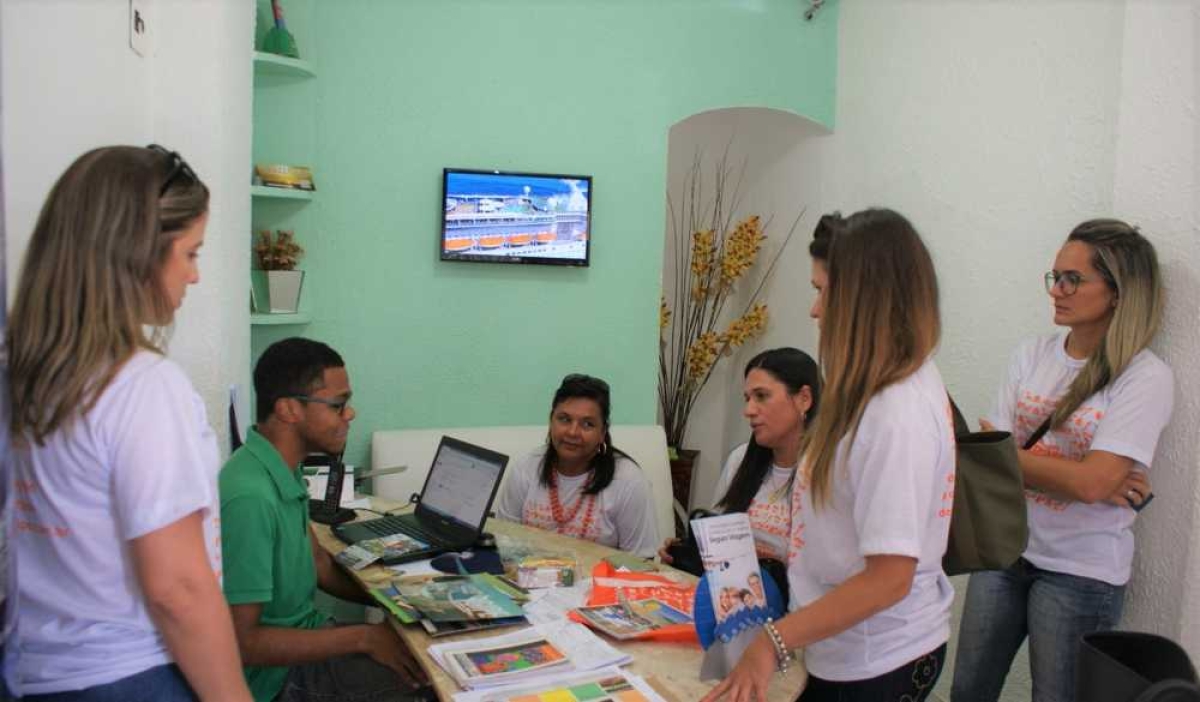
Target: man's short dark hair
x=290 y=367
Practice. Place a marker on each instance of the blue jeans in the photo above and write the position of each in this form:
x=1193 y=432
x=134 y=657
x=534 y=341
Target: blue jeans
x=1053 y=609
x=162 y=684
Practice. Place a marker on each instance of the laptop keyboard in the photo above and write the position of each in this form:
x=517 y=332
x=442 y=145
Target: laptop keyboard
x=387 y=526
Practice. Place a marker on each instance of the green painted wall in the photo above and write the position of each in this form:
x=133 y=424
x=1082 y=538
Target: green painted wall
x=571 y=86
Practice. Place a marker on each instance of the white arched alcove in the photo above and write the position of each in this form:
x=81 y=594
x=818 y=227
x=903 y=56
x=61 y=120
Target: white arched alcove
x=778 y=155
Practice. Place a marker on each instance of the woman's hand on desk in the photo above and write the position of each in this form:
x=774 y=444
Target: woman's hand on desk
x=750 y=677
x=384 y=646
x=662 y=551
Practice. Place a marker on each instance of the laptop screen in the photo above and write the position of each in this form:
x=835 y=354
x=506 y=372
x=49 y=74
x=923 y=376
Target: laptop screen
x=462 y=483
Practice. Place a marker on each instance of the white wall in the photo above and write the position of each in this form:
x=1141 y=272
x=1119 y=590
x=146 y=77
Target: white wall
x=70 y=83
x=1157 y=184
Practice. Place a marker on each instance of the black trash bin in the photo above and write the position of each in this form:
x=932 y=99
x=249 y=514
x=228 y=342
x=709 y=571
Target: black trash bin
x=1130 y=666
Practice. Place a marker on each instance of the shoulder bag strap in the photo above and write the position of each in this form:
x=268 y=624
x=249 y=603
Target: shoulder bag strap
x=961 y=427
x=1037 y=435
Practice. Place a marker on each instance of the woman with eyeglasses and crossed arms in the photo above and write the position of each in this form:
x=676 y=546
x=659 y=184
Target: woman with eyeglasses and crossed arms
x=1105 y=399
x=117 y=541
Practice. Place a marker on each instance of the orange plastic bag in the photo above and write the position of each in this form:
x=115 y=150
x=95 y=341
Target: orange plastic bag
x=608 y=584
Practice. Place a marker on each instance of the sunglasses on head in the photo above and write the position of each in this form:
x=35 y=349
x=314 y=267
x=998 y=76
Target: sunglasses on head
x=179 y=167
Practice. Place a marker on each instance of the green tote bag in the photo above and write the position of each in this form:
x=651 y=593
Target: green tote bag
x=988 y=527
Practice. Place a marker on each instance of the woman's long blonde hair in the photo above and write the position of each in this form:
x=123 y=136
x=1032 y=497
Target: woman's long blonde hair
x=881 y=323
x=91 y=280
x=1129 y=266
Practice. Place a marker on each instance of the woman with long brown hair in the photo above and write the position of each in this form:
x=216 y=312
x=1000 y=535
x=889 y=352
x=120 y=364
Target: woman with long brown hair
x=1105 y=398
x=118 y=546
x=870 y=602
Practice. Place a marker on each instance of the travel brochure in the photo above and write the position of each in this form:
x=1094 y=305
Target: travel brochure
x=606 y=685
x=525 y=654
x=731 y=572
x=364 y=553
x=633 y=619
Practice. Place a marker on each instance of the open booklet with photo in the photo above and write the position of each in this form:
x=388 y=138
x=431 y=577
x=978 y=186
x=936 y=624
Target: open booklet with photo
x=524 y=654
x=459 y=598
x=362 y=554
x=440 y=601
x=632 y=619
x=606 y=685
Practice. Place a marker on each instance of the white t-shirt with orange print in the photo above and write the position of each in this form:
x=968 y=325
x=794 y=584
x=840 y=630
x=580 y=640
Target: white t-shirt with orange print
x=1125 y=418
x=771 y=510
x=142 y=459
x=621 y=515
x=892 y=493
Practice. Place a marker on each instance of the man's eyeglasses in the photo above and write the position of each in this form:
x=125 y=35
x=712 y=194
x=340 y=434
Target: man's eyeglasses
x=178 y=167
x=338 y=406
x=1067 y=281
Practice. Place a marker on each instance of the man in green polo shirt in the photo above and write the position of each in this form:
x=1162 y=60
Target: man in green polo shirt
x=272 y=562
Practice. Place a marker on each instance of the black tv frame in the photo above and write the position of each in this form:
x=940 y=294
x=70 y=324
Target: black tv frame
x=537 y=260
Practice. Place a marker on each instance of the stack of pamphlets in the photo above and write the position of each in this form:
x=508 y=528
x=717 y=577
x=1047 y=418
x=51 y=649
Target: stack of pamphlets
x=533 y=567
x=450 y=604
x=525 y=654
x=605 y=685
x=538 y=571
x=364 y=553
x=632 y=619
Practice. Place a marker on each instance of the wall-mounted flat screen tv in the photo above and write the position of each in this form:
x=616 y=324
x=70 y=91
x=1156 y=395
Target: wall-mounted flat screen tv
x=508 y=217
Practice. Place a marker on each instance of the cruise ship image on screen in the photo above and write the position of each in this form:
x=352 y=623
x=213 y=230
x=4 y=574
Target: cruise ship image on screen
x=516 y=217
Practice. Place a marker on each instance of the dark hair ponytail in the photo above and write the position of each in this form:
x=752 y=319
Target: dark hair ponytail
x=827 y=229
x=795 y=369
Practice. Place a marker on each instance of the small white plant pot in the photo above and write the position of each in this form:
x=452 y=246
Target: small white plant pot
x=276 y=292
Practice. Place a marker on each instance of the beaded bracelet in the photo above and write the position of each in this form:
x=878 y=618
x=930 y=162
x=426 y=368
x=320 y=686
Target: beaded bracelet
x=782 y=655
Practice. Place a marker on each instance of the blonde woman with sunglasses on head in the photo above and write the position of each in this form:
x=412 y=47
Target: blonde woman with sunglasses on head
x=870 y=602
x=1106 y=399
x=117 y=540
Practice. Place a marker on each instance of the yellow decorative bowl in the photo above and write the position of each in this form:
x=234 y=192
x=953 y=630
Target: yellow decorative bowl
x=280 y=176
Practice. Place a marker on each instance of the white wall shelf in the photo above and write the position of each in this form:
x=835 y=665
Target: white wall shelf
x=279 y=318
x=275 y=65
x=280 y=193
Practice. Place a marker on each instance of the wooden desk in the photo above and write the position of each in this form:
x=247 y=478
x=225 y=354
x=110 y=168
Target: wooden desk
x=672 y=668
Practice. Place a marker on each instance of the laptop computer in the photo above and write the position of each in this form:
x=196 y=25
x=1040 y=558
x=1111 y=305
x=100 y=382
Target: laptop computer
x=452 y=507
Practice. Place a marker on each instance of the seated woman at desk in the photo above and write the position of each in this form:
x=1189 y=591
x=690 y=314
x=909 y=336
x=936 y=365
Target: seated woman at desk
x=781 y=392
x=579 y=484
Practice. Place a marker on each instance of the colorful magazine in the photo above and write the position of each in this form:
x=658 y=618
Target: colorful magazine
x=514 y=660
x=525 y=654
x=632 y=619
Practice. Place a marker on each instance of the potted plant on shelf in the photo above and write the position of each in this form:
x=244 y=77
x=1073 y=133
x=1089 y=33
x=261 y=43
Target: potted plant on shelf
x=276 y=282
x=707 y=313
